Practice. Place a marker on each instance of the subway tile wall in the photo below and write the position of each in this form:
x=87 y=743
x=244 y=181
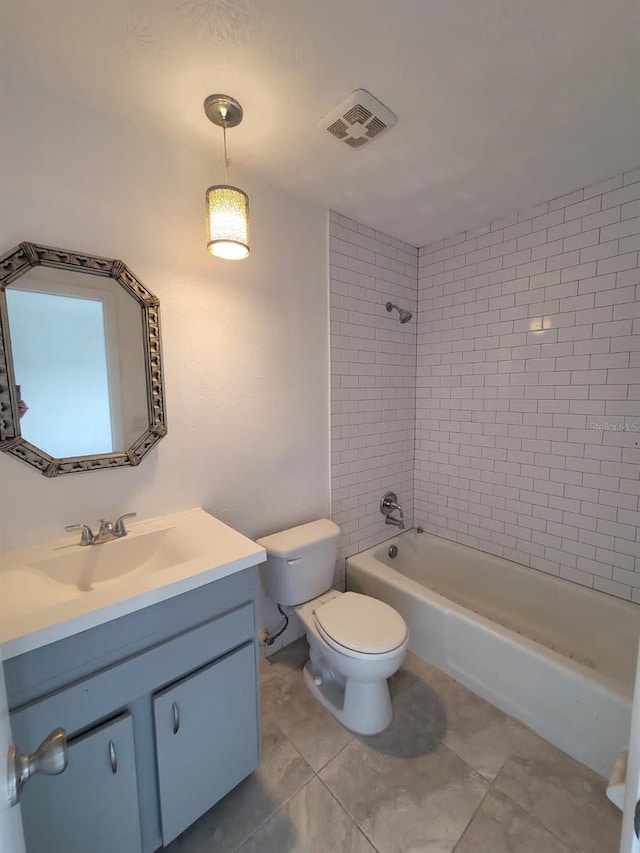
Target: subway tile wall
x=373 y=381
x=528 y=387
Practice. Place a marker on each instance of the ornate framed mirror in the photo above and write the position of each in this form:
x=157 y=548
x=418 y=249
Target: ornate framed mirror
x=81 y=385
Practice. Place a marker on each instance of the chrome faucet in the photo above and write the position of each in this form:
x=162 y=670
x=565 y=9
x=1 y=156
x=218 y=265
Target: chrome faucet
x=388 y=505
x=107 y=530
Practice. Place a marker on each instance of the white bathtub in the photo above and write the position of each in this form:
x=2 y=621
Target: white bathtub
x=555 y=655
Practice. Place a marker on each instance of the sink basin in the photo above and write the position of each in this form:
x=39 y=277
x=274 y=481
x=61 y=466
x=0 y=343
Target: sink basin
x=59 y=588
x=29 y=586
x=88 y=567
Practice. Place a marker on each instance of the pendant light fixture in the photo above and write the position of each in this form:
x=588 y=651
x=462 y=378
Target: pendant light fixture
x=227 y=206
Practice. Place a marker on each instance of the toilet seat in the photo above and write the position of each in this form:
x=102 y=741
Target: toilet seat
x=360 y=626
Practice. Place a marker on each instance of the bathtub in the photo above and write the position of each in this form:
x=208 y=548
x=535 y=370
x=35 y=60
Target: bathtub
x=557 y=656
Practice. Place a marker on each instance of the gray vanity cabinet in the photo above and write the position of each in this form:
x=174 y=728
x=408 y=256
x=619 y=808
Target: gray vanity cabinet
x=93 y=805
x=206 y=738
x=174 y=688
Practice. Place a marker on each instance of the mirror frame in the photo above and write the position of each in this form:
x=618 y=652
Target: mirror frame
x=15 y=264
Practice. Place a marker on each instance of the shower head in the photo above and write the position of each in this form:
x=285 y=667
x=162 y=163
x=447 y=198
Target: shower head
x=405 y=315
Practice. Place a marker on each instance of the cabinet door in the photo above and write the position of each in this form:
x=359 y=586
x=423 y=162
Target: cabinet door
x=206 y=736
x=93 y=805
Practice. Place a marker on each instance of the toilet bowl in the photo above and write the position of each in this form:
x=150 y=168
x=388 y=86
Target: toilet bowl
x=356 y=642
x=352 y=682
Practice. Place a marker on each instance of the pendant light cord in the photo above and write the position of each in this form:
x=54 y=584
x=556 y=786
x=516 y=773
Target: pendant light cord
x=224 y=137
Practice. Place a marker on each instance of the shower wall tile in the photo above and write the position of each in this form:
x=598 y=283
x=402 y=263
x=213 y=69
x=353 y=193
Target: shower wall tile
x=373 y=381
x=528 y=387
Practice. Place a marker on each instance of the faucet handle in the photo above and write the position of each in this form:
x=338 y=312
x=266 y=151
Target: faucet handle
x=389 y=503
x=86 y=537
x=119 y=528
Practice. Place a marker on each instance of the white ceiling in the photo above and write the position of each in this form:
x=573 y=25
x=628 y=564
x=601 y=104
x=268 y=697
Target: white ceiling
x=500 y=103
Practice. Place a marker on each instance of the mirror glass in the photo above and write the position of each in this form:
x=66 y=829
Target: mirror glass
x=84 y=384
x=78 y=362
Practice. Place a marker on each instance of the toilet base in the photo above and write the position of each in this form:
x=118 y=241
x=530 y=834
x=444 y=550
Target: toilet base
x=363 y=707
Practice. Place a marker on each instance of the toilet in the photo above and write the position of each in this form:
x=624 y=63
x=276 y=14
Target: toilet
x=356 y=642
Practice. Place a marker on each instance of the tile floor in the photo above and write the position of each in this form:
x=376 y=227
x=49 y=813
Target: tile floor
x=451 y=773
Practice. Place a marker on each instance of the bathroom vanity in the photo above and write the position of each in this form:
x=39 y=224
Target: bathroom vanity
x=156 y=690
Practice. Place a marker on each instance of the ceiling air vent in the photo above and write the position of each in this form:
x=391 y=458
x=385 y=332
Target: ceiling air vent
x=358 y=119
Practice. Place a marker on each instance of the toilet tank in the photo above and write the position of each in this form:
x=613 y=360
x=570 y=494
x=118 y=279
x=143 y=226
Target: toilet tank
x=300 y=561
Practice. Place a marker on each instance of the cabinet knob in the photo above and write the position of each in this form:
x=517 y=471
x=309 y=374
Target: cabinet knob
x=176 y=717
x=50 y=758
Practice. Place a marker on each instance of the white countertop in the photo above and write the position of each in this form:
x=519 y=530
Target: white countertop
x=49 y=592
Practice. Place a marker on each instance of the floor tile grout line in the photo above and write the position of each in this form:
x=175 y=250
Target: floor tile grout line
x=317 y=772
x=345 y=809
x=491 y=783
x=443 y=745
x=440 y=745
x=486 y=794
x=292 y=795
x=562 y=843
x=299 y=751
x=339 y=752
x=273 y=813
x=533 y=817
x=295 y=793
x=313 y=769
x=351 y=818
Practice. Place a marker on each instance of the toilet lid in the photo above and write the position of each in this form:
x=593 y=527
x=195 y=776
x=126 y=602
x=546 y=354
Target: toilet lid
x=362 y=623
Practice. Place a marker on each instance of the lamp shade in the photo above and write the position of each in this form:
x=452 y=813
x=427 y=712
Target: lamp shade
x=227 y=222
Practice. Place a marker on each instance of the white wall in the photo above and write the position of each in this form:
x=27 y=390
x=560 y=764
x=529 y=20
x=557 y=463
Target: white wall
x=528 y=409
x=373 y=378
x=245 y=344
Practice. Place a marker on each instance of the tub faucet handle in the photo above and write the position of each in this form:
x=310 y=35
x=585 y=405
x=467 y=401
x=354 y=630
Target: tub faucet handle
x=388 y=505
